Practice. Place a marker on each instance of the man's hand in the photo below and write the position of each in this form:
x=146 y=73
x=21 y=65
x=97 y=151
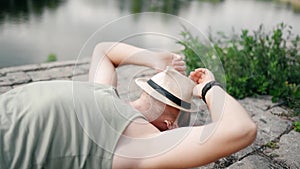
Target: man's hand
x=178 y=63
x=169 y=59
x=201 y=76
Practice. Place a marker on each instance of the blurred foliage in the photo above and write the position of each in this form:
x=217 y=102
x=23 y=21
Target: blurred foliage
x=297 y=126
x=51 y=57
x=20 y=10
x=165 y=6
x=272 y=145
x=200 y=54
x=294 y=4
x=212 y=1
x=256 y=63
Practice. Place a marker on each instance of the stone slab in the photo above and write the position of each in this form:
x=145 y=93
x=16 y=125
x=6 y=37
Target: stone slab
x=39 y=75
x=256 y=105
x=254 y=161
x=208 y=166
x=270 y=127
x=19 y=68
x=51 y=74
x=60 y=72
x=33 y=67
x=4 y=81
x=18 y=78
x=289 y=149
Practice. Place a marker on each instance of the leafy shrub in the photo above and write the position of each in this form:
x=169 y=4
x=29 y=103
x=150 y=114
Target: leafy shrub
x=256 y=63
x=297 y=126
x=51 y=57
x=200 y=54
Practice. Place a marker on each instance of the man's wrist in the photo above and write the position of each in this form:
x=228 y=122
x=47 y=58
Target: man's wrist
x=208 y=87
x=160 y=60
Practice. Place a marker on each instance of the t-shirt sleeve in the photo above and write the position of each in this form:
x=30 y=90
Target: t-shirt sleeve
x=105 y=117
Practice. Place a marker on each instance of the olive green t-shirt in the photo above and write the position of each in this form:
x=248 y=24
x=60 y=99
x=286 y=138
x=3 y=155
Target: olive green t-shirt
x=61 y=124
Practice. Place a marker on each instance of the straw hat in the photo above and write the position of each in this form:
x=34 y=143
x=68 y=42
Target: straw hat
x=171 y=88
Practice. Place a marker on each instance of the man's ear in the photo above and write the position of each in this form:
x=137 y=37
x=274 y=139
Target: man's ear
x=167 y=123
x=170 y=125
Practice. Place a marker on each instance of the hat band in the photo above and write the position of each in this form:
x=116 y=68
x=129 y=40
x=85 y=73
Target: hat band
x=169 y=95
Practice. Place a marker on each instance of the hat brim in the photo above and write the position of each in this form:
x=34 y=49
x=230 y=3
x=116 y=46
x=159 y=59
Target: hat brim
x=142 y=83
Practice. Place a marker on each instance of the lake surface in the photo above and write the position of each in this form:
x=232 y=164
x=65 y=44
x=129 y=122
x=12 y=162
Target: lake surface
x=31 y=30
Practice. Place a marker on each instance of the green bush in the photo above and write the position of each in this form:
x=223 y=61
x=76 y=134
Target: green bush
x=256 y=63
x=297 y=126
x=51 y=57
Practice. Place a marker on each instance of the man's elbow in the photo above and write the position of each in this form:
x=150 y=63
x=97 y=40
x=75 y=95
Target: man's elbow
x=101 y=47
x=251 y=132
x=247 y=133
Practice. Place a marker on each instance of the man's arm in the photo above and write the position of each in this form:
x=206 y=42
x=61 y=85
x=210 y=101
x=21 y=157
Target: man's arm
x=108 y=56
x=231 y=130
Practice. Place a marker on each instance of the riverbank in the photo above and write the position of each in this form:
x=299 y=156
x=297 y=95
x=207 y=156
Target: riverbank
x=277 y=144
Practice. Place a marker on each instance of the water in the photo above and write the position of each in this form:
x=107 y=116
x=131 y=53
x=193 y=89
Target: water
x=31 y=30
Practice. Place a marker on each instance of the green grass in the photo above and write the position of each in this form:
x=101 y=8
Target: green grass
x=272 y=145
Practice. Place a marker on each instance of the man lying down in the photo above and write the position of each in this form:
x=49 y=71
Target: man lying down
x=67 y=124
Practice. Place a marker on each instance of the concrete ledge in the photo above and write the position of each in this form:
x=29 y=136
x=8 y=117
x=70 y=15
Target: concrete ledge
x=12 y=76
